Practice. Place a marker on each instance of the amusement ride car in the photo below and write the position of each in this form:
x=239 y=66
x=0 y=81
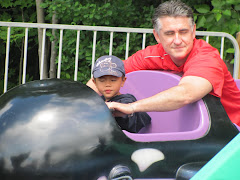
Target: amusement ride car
x=61 y=129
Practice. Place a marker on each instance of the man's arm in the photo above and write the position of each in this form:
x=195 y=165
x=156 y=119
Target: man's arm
x=92 y=86
x=190 y=89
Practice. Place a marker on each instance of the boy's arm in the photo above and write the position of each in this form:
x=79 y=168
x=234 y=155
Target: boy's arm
x=133 y=122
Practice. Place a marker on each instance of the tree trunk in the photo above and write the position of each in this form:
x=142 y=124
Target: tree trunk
x=52 y=70
x=238 y=40
x=21 y=63
x=40 y=19
x=21 y=57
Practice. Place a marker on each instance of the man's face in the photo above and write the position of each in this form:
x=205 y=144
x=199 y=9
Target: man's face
x=176 y=36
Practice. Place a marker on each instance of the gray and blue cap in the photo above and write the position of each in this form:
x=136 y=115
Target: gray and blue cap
x=108 y=65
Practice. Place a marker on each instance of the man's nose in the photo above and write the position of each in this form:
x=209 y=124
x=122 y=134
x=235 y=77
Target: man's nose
x=177 y=39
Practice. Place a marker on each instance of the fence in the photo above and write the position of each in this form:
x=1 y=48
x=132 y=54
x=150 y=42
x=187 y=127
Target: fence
x=95 y=29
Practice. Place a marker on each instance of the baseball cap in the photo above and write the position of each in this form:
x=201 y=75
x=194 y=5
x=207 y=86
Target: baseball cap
x=108 y=65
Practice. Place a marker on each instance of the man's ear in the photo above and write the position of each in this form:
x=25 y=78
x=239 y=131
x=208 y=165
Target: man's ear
x=194 y=31
x=155 y=33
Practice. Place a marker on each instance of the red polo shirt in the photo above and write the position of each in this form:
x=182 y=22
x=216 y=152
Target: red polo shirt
x=203 y=61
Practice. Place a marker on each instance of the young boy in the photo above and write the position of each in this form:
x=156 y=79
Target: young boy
x=109 y=77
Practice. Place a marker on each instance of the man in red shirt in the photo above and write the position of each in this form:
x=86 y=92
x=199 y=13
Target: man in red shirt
x=177 y=49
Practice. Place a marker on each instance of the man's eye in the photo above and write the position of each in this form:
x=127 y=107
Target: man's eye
x=169 y=33
x=184 y=32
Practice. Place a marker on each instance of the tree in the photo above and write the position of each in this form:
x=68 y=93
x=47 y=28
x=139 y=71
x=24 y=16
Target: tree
x=41 y=19
x=15 y=11
x=223 y=16
x=214 y=15
x=52 y=69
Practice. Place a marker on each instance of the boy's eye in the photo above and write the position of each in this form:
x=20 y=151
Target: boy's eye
x=101 y=80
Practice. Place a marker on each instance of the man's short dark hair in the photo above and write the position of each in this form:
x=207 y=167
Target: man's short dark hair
x=172 y=8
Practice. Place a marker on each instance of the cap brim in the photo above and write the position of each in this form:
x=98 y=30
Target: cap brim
x=98 y=74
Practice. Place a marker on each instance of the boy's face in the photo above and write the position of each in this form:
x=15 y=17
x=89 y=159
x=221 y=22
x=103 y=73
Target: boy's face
x=109 y=86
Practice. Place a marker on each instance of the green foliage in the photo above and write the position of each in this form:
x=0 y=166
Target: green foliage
x=214 y=15
x=16 y=49
x=15 y=11
x=117 y=13
x=221 y=16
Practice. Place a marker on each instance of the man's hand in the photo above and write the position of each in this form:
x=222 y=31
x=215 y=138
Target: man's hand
x=120 y=109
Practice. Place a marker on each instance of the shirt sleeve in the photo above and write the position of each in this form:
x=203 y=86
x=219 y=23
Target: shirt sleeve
x=208 y=66
x=148 y=58
x=135 y=122
x=134 y=62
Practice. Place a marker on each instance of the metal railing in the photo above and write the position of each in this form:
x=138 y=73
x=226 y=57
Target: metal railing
x=95 y=29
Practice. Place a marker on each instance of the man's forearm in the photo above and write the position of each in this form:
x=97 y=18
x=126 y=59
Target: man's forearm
x=168 y=100
x=92 y=86
x=189 y=90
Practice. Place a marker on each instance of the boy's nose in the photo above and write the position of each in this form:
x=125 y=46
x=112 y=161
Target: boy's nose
x=108 y=83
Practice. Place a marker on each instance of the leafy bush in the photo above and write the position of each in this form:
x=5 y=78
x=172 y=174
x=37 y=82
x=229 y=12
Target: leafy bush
x=214 y=15
x=220 y=16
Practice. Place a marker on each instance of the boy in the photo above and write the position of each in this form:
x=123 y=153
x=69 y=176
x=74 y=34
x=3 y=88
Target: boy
x=109 y=77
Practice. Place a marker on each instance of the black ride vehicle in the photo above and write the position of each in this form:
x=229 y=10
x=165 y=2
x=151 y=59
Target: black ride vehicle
x=59 y=129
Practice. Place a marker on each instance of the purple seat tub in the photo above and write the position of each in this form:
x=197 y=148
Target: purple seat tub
x=238 y=83
x=189 y=122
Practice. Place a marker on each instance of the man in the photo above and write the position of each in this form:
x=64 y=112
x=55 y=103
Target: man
x=177 y=49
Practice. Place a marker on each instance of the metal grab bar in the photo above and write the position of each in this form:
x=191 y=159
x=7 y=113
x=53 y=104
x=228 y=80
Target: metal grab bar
x=96 y=29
